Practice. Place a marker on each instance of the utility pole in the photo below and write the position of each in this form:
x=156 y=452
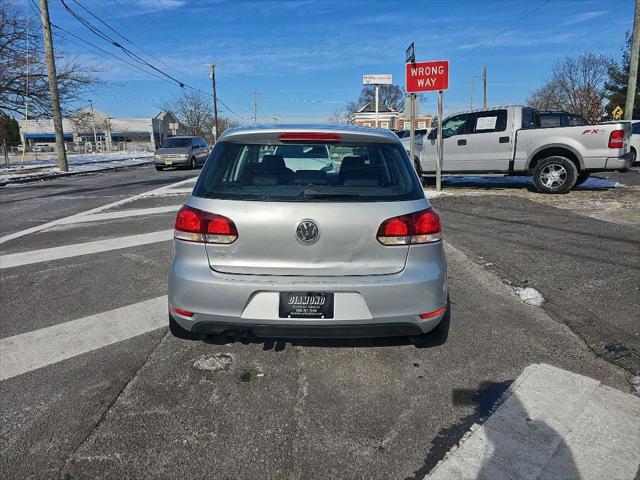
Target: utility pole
x=215 y=99
x=53 y=85
x=633 y=65
x=255 y=106
x=484 y=87
x=26 y=93
x=93 y=122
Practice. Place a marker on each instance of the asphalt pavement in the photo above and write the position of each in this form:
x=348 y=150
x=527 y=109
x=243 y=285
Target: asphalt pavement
x=153 y=406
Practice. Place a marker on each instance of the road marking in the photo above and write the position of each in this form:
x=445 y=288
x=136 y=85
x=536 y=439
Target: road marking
x=553 y=424
x=29 y=351
x=44 y=226
x=67 y=251
x=134 y=212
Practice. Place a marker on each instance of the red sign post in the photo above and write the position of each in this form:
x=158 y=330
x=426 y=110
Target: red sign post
x=427 y=77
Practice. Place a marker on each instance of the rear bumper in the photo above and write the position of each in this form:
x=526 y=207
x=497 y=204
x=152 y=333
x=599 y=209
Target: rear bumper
x=308 y=331
x=174 y=162
x=620 y=163
x=365 y=306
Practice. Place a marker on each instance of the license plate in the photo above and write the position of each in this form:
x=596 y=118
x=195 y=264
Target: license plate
x=168 y=162
x=306 y=305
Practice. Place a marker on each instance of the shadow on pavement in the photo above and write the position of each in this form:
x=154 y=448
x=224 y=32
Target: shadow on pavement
x=507 y=459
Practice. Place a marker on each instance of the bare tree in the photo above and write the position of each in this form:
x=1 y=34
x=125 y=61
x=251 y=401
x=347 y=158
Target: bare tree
x=193 y=110
x=392 y=96
x=577 y=85
x=340 y=117
x=74 y=79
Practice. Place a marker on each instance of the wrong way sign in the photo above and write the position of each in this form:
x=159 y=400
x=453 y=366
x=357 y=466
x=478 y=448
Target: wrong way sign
x=427 y=76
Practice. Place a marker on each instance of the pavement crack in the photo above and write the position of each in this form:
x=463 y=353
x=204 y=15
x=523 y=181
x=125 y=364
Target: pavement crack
x=298 y=415
x=108 y=408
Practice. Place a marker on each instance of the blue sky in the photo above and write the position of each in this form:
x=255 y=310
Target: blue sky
x=307 y=57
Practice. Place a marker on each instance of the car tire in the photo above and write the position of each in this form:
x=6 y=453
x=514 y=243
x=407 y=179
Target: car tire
x=437 y=336
x=634 y=156
x=159 y=168
x=179 y=332
x=555 y=175
x=582 y=177
x=192 y=163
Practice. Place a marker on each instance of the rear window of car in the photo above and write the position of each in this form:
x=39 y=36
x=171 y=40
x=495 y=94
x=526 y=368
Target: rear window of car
x=358 y=172
x=636 y=128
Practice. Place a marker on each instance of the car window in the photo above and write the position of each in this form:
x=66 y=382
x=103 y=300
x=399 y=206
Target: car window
x=336 y=172
x=577 y=120
x=487 y=122
x=176 y=143
x=455 y=125
x=547 y=120
x=636 y=128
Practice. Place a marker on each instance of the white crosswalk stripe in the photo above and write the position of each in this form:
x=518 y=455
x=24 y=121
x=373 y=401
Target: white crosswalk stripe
x=68 y=251
x=29 y=351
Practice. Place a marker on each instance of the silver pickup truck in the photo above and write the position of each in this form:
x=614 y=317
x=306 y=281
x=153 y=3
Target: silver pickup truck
x=510 y=141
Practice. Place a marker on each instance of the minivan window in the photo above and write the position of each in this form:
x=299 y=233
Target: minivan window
x=355 y=172
x=636 y=128
x=176 y=143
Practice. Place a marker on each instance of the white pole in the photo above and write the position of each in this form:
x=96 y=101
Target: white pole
x=412 y=127
x=93 y=122
x=377 y=95
x=440 y=145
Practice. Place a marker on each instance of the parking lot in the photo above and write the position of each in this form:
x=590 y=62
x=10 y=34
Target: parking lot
x=93 y=385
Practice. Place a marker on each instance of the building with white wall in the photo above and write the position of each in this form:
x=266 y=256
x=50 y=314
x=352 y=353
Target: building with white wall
x=98 y=131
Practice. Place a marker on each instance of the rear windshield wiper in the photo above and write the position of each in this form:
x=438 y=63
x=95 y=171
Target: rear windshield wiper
x=308 y=194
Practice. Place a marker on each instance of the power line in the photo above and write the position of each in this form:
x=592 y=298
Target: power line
x=107 y=38
x=504 y=29
x=92 y=45
x=135 y=57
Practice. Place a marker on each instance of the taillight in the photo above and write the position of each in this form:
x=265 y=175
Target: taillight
x=194 y=225
x=616 y=139
x=414 y=228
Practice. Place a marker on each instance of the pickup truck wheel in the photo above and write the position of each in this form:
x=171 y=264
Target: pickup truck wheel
x=416 y=165
x=582 y=177
x=634 y=156
x=555 y=175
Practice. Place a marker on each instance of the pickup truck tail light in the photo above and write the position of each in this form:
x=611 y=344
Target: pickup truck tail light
x=616 y=139
x=194 y=225
x=411 y=229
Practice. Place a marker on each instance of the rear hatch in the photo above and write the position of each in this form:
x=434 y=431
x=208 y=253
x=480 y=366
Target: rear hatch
x=308 y=218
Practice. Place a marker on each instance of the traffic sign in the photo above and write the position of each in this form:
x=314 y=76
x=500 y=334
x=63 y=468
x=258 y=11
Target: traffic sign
x=411 y=53
x=617 y=113
x=427 y=76
x=378 y=79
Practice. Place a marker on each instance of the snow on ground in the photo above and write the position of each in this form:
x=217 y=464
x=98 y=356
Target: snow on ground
x=529 y=295
x=77 y=164
x=52 y=161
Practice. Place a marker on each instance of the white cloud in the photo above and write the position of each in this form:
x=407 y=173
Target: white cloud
x=584 y=17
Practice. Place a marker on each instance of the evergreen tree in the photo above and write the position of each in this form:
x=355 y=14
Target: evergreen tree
x=616 y=85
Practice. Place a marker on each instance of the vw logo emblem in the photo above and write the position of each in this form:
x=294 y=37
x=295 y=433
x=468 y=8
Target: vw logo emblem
x=307 y=232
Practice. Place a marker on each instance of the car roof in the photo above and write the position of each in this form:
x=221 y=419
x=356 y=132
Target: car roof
x=271 y=132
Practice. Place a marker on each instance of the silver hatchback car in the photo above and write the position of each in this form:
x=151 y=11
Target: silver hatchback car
x=308 y=231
